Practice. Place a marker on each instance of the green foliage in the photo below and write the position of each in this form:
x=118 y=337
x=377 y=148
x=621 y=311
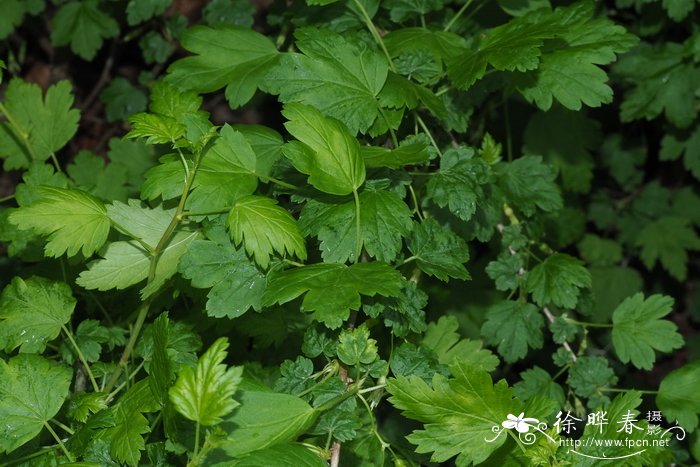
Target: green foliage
x=205 y=395
x=33 y=390
x=400 y=230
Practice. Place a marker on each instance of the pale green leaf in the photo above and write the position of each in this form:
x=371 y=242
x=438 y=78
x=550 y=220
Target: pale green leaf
x=205 y=394
x=265 y=419
x=33 y=312
x=73 y=221
x=264 y=228
x=327 y=152
x=125 y=263
x=355 y=347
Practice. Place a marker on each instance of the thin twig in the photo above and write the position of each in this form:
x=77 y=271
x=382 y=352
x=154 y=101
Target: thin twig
x=335 y=454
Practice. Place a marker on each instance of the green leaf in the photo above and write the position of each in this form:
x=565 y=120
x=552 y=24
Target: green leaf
x=138 y=11
x=638 y=331
x=558 y=280
x=384 y=221
x=661 y=83
x=678 y=9
x=73 y=220
x=230 y=56
x=672 y=148
x=233 y=12
x=507 y=271
x=89 y=336
x=122 y=99
x=82 y=404
x=283 y=454
x=401 y=10
x=458 y=413
x=264 y=228
x=678 y=396
x=236 y=284
x=567 y=140
x=599 y=251
x=83 y=26
x=410 y=151
x=588 y=376
x=327 y=152
x=529 y=184
x=265 y=419
x=569 y=71
x=157 y=129
x=443 y=339
x=347 y=283
x=205 y=395
x=439 y=251
x=668 y=239
x=513 y=326
x=126 y=436
x=48 y=123
x=126 y=263
x=33 y=312
x=32 y=390
x=355 y=347
x=537 y=381
x=458 y=184
x=105 y=182
x=226 y=173
x=339 y=75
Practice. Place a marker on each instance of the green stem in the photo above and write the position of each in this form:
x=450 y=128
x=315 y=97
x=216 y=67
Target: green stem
x=375 y=34
x=205 y=213
x=373 y=388
x=125 y=231
x=430 y=135
x=17 y=130
x=38 y=453
x=126 y=354
x=55 y=163
x=65 y=428
x=586 y=324
x=358 y=237
x=196 y=440
x=509 y=140
x=81 y=357
x=7 y=198
x=457 y=15
x=338 y=399
x=145 y=306
x=394 y=139
x=279 y=182
x=643 y=391
x=133 y=374
x=409 y=259
x=415 y=202
x=60 y=443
